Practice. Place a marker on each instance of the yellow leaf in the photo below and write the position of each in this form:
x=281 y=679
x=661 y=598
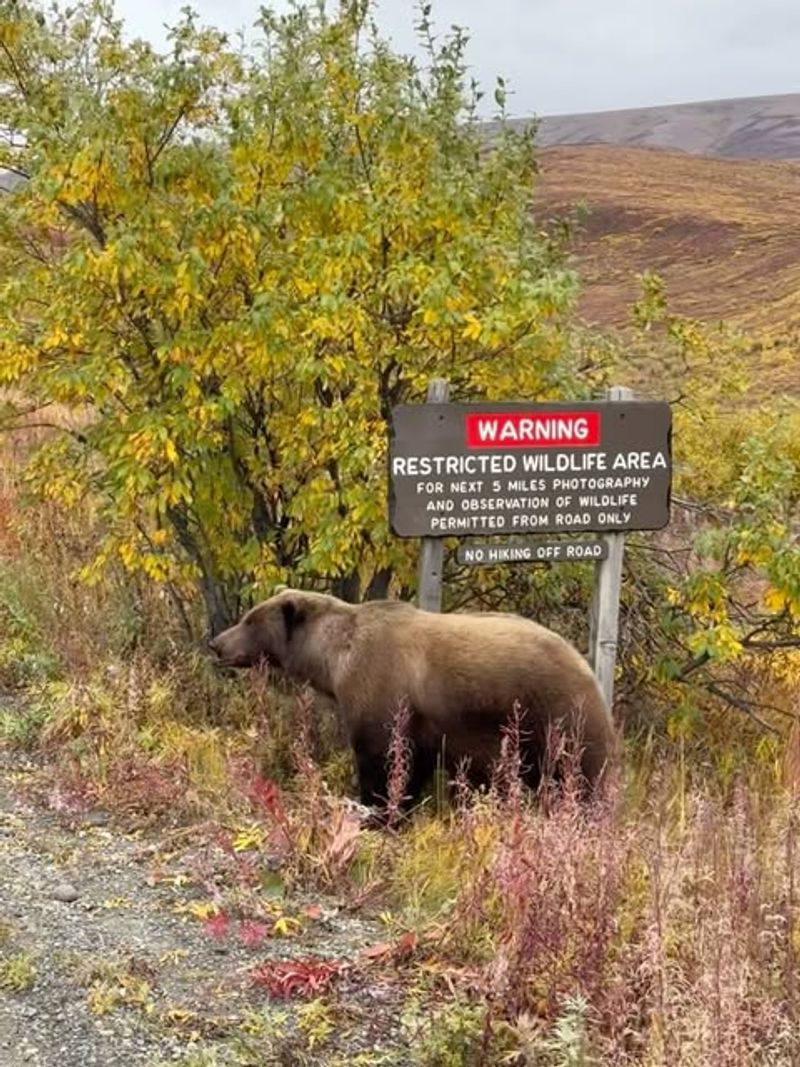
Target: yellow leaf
x=472 y=328
x=775 y=600
x=286 y=927
x=249 y=837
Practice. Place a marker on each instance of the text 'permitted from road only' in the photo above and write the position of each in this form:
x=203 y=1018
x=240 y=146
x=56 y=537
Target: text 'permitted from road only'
x=493 y=469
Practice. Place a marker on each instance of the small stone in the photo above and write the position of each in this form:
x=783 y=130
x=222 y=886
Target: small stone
x=66 y=893
x=96 y=818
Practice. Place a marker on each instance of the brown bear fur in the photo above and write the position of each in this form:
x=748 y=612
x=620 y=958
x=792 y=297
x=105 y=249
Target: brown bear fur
x=460 y=674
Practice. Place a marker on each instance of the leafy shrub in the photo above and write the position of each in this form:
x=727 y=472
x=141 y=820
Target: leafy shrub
x=26 y=654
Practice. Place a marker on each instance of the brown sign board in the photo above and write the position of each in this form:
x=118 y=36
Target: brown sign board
x=461 y=470
x=494 y=553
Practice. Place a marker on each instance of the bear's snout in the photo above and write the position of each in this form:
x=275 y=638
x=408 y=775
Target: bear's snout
x=216 y=642
x=222 y=647
x=234 y=647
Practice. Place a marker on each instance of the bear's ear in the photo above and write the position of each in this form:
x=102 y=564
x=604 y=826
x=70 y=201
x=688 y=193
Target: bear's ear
x=293 y=615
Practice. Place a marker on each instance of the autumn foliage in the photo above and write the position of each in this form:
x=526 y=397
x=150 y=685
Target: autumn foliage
x=233 y=265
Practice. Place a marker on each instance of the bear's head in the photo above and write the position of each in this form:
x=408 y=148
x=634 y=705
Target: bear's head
x=295 y=631
x=262 y=635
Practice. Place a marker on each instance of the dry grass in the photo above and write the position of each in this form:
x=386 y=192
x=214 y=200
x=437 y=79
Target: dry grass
x=626 y=932
x=722 y=233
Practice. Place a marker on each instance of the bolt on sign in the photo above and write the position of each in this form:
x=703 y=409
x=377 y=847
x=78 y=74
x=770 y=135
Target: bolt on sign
x=499 y=469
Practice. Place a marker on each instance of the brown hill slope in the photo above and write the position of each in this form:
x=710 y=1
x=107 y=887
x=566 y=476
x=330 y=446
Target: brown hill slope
x=756 y=127
x=725 y=235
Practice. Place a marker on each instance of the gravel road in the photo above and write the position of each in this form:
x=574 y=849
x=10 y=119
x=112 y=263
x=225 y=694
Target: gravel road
x=102 y=965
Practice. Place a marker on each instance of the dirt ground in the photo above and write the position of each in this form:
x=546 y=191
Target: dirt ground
x=102 y=961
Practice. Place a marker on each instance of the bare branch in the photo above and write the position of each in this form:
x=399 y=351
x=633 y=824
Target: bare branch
x=742 y=705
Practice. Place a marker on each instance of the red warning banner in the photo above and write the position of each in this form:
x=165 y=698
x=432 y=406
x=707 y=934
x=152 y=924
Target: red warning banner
x=563 y=429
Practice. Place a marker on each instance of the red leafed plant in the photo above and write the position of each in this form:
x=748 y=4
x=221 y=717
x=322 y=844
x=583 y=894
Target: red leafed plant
x=300 y=978
x=267 y=795
x=398 y=951
x=267 y=798
x=217 y=926
x=399 y=761
x=252 y=933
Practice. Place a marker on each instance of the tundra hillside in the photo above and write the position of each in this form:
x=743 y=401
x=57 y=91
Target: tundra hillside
x=218 y=272
x=720 y=232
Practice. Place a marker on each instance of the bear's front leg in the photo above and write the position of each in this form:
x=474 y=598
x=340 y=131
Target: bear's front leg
x=372 y=779
x=369 y=749
x=372 y=763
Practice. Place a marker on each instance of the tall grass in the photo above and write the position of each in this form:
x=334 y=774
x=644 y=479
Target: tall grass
x=675 y=926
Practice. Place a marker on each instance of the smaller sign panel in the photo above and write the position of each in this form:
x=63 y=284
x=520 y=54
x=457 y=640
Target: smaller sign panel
x=531 y=552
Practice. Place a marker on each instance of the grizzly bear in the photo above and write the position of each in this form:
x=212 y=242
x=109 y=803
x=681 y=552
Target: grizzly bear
x=460 y=675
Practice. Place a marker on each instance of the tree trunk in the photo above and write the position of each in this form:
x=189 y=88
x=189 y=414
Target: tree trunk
x=222 y=604
x=378 y=588
x=348 y=588
x=219 y=611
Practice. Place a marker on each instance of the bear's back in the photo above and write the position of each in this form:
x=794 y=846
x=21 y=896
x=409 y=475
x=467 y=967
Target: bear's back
x=483 y=659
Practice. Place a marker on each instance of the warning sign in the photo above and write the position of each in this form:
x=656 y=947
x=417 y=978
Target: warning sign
x=467 y=469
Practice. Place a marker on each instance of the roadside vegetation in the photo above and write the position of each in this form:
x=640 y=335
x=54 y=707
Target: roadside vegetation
x=217 y=274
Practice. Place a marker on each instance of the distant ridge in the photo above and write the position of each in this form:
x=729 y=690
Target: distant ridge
x=755 y=127
x=749 y=127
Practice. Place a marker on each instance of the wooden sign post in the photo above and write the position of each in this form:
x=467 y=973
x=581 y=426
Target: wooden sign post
x=431 y=556
x=604 y=610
